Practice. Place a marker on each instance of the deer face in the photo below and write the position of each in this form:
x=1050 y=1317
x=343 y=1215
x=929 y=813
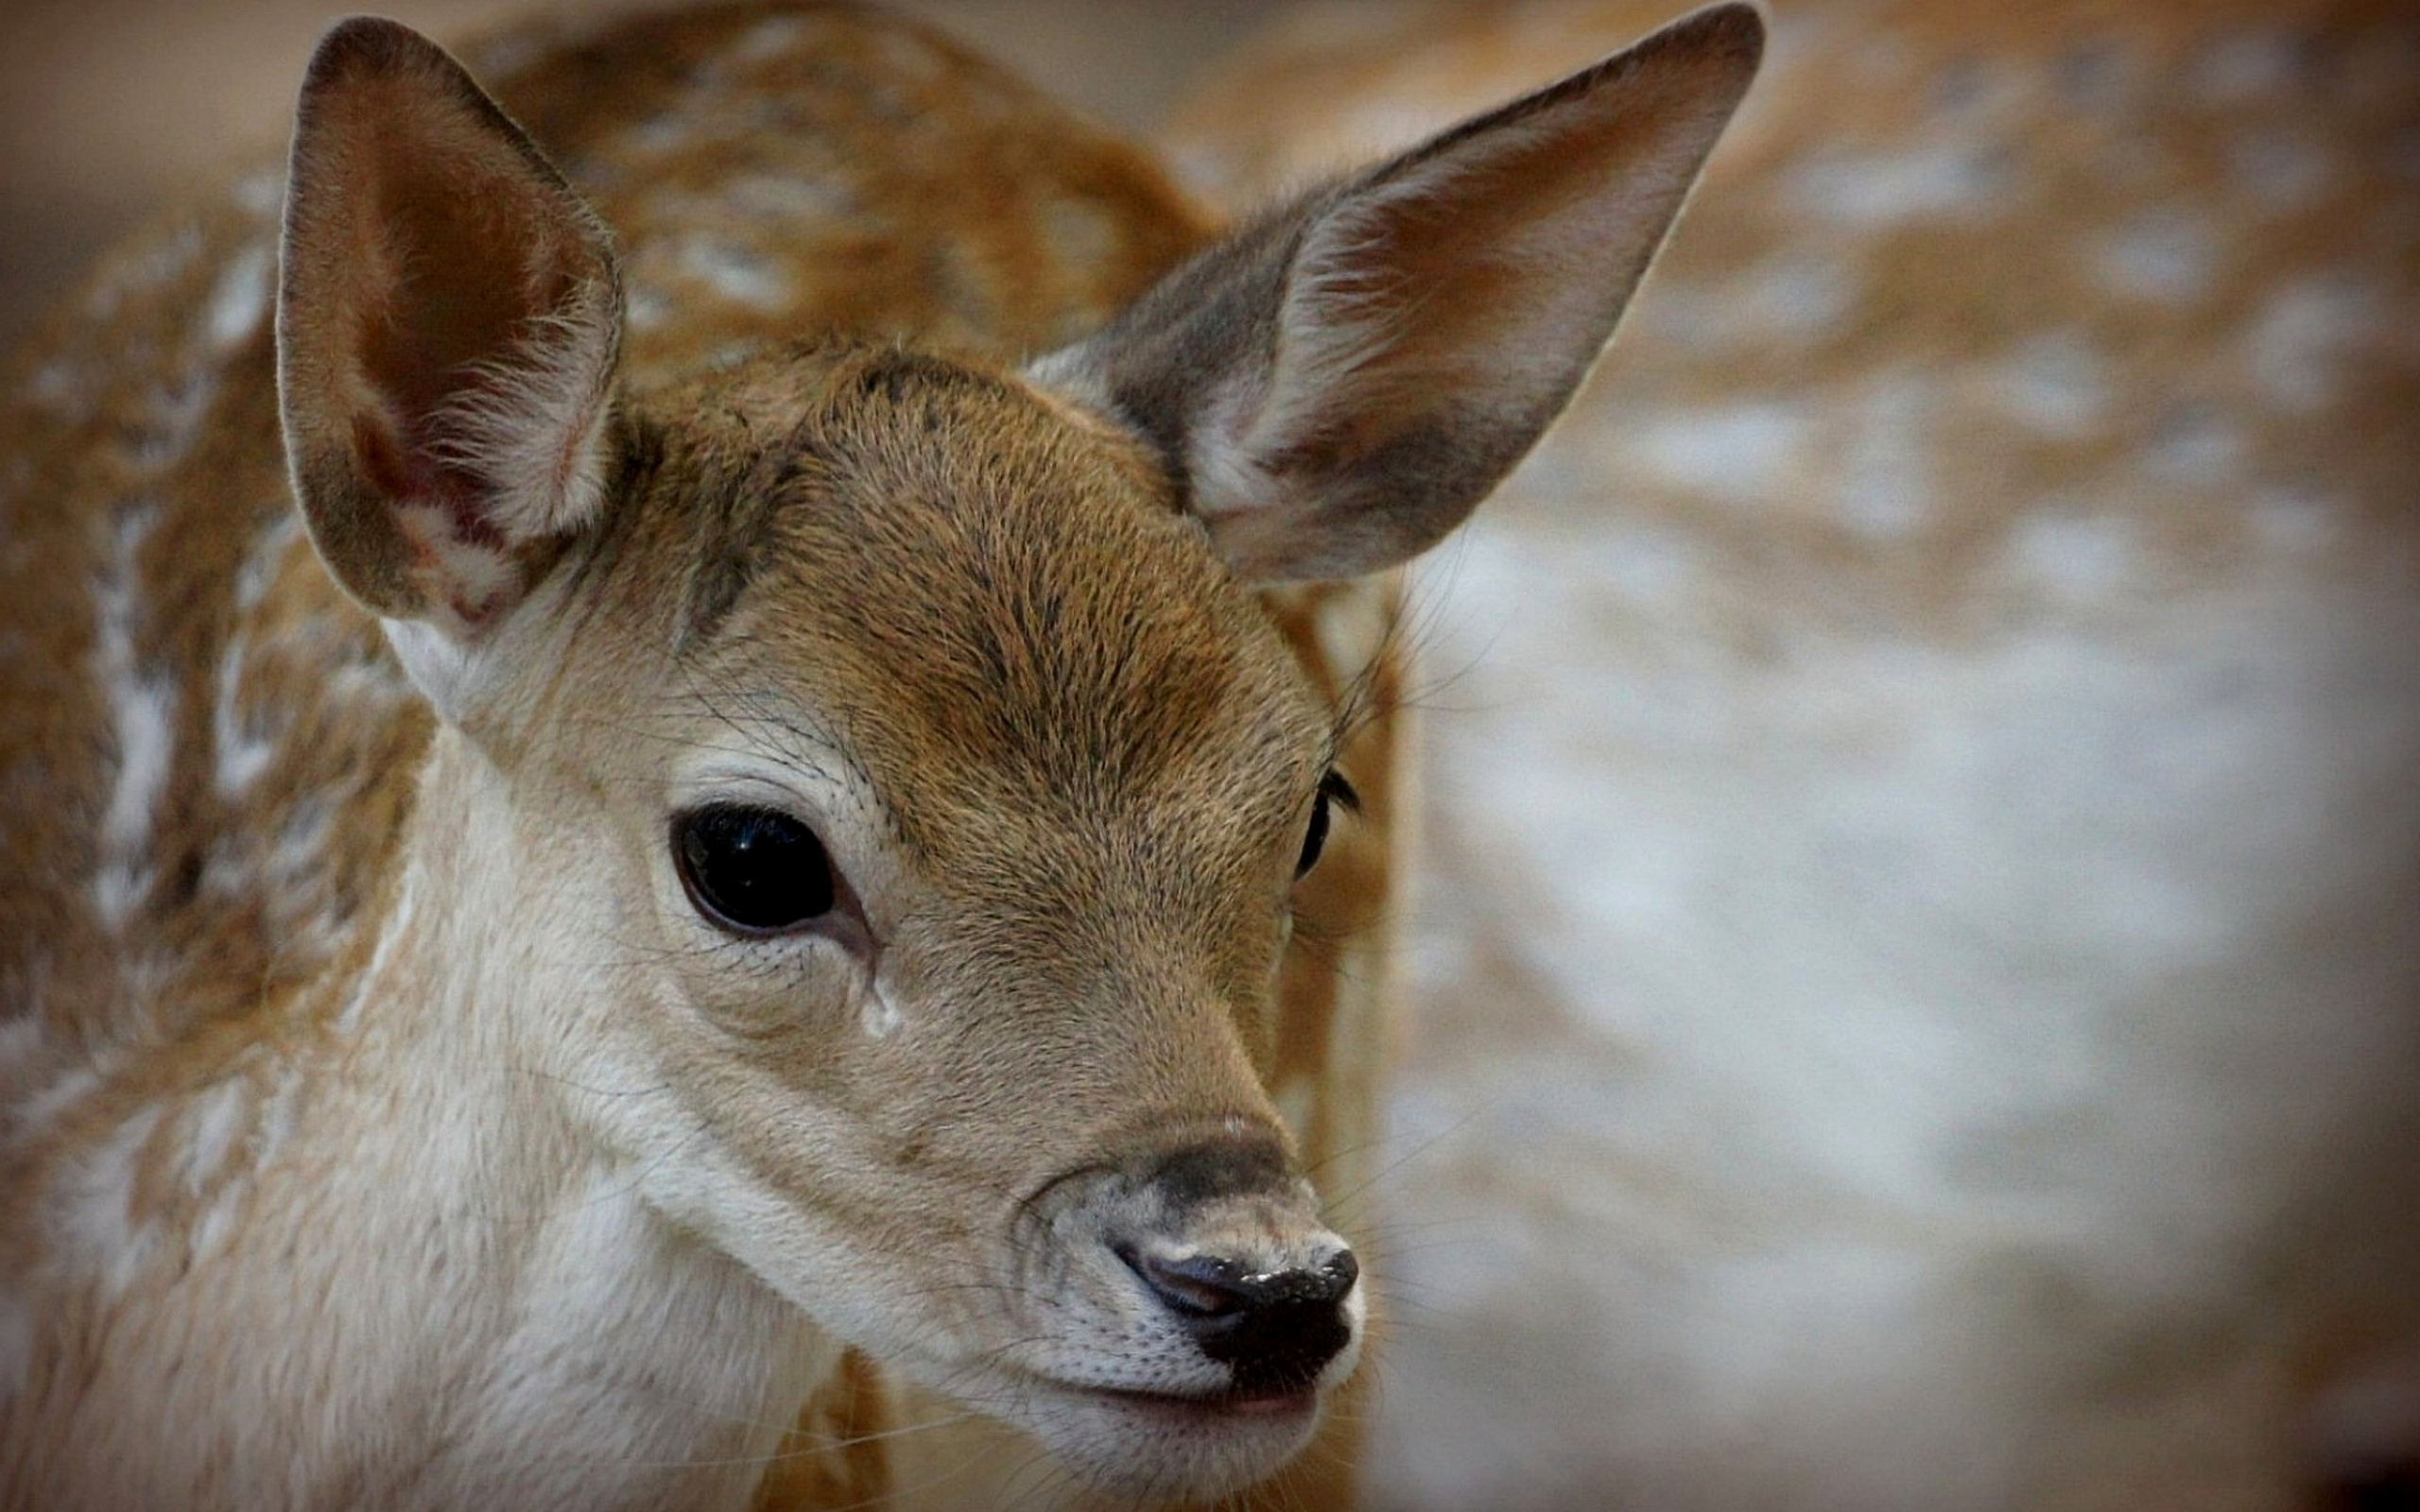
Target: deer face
x=897 y=770
x=956 y=841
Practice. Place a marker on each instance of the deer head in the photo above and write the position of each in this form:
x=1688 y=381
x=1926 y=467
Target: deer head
x=881 y=760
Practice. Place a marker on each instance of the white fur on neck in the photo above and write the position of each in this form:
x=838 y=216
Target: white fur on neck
x=488 y=1311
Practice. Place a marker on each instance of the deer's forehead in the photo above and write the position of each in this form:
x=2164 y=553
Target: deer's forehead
x=991 y=601
x=872 y=460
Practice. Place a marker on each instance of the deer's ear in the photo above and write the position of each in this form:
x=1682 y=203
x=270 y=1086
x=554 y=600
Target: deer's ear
x=1339 y=384
x=449 y=318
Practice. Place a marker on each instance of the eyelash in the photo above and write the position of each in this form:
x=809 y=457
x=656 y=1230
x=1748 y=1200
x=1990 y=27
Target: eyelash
x=1334 y=791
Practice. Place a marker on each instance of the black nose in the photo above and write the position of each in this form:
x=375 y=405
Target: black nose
x=1275 y=1330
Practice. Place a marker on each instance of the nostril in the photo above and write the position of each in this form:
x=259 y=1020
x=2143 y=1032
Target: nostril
x=1339 y=1273
x=1193 y=1286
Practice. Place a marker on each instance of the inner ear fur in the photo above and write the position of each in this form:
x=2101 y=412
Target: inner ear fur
x=1339 y=383
x=449 y=323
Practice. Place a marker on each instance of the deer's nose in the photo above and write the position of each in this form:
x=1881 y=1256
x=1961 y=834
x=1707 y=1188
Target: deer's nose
x=1275 y=1329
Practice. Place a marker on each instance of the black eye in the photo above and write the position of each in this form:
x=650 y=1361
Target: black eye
x=754 y=871
x=1333 y=789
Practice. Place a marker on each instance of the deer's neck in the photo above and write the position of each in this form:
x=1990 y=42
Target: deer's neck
x=468 y=1298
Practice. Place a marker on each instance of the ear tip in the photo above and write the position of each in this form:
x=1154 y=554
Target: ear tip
x=1735 y=28
x=374 y=45
x=1746 y=19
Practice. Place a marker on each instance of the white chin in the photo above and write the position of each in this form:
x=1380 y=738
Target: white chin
x=1154 y=1449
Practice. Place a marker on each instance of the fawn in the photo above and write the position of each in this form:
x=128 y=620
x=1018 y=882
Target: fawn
x=1938 y=831
x=731 y=856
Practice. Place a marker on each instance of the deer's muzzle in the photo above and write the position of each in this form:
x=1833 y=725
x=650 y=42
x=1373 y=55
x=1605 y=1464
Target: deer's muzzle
x=1229 y=1253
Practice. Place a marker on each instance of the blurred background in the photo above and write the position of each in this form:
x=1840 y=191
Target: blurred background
x=107 y=107
x=1915 y=992
x=1916 y=995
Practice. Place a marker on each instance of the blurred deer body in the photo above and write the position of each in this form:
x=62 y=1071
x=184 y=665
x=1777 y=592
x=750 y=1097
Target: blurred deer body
x=732 y=875
x=1935 y=834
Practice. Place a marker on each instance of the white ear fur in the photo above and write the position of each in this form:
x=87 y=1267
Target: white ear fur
x=1341 y=384
x=449 y=327
x=533 y=423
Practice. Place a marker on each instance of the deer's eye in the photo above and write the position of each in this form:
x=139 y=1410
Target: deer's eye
x=1333 y=789
x=752 y=870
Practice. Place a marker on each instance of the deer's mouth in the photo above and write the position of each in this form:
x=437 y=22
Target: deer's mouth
x=1154 y=1444
x=1291 y=1407
x=1213 y=1406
